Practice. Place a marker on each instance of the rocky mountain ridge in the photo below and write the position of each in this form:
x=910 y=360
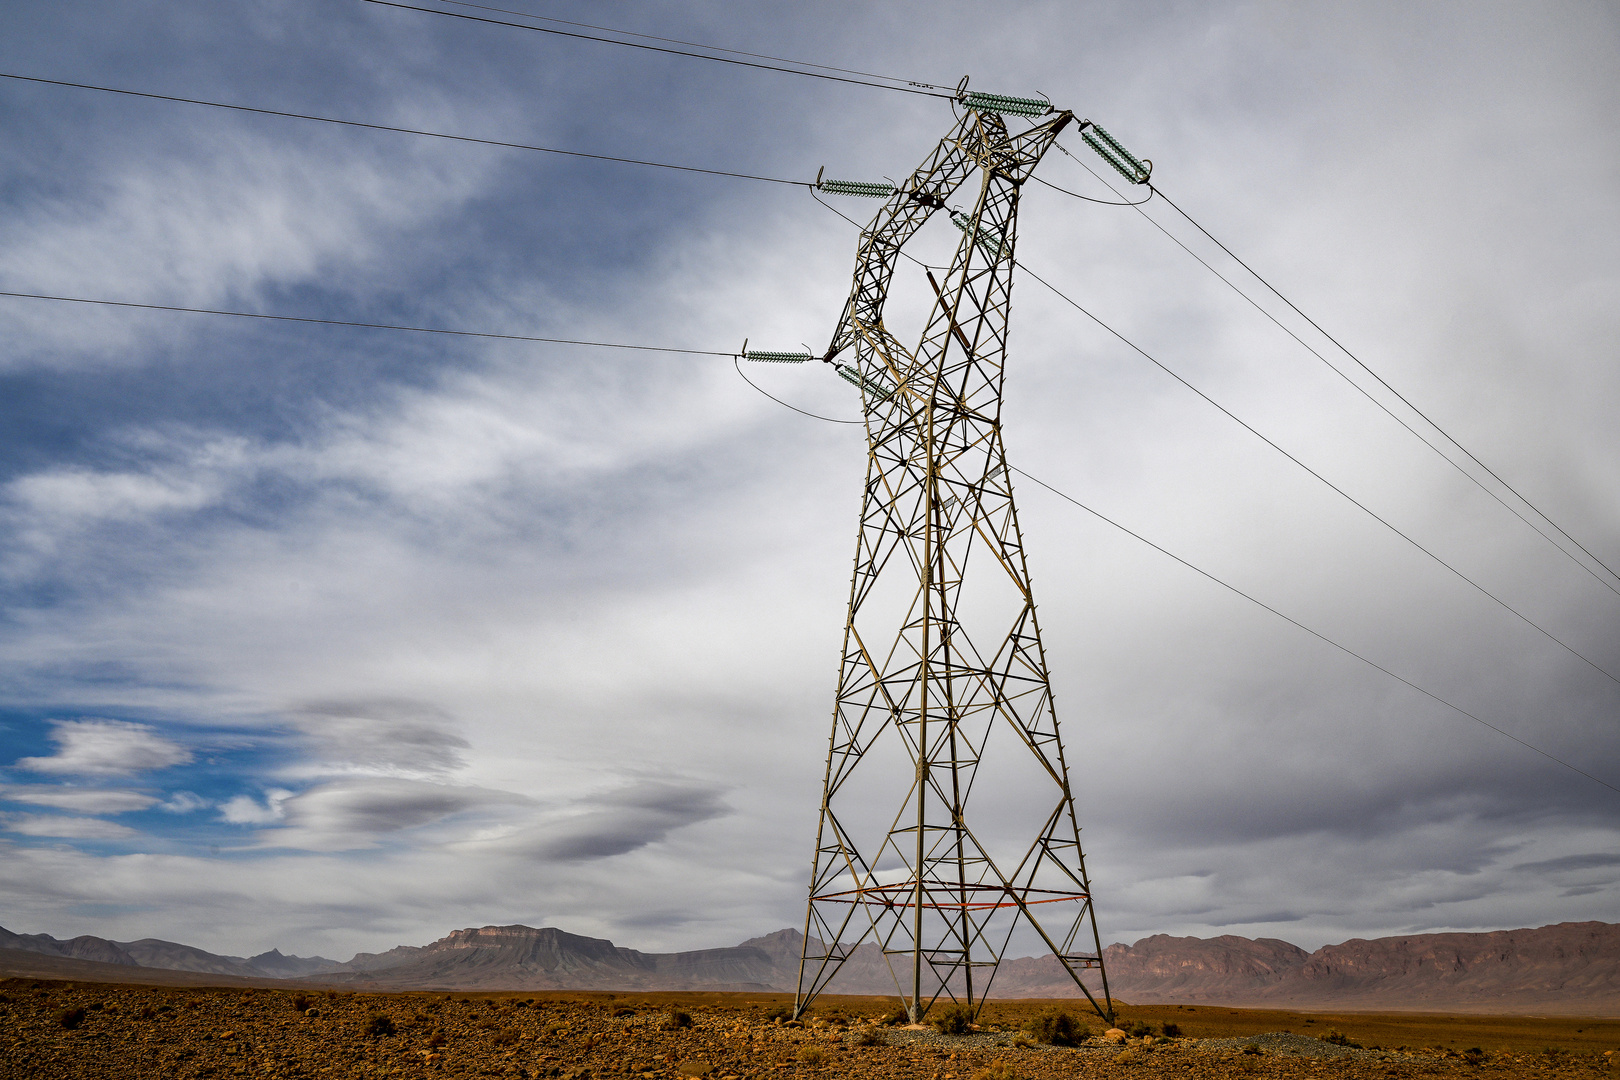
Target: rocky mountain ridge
x=168 y=956
x=1567 y=967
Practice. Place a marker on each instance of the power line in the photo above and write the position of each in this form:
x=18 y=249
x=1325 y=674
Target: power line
x=734 y=357
x=827 y=75
x=694 y=44
x=1314 y=633
x=399 y=130
x=1363 y=507
x=1088 y=198
x=363 y=325
x=1447 y=458
x=1324 y=480
x=785 y=405
x=715 y=172
x=1386 y=385
x=1252 y=599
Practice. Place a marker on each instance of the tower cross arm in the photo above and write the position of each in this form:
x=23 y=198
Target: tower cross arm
x=971 y=145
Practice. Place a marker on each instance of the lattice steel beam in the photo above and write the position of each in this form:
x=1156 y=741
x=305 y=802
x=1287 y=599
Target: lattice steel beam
x=943 y=680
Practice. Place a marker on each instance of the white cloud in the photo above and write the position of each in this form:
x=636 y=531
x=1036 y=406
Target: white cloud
x=245 y=810
x=362 y=812
x=66 y=828
x=611 y=823
x=82 y=800
x=208 y=226
x=79 y=495
x=184 y=802
x=106 y=748
x=381 y=738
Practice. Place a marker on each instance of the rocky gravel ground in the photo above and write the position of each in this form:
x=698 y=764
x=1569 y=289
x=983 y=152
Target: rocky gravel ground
x=50 y=1030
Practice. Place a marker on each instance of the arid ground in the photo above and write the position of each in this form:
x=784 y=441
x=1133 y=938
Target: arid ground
x=88 y=1030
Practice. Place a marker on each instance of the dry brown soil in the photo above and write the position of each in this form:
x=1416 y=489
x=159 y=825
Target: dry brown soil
x=131 y=1031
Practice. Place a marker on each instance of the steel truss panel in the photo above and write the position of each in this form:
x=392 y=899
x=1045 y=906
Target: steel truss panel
x=937 y=661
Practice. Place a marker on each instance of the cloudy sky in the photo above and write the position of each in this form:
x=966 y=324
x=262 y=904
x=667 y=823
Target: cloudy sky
x=333 y=639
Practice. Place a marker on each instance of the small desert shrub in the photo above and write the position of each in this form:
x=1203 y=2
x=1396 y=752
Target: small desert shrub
x=505 y=1037
x=996 y=1070
x=437 y=1039
x=1172 y=1031
x=379 y=1024
x=1253 y=1049
x=781 y=1012
x=147 y=1013
x=1022 y=1039
x=300 y=1002
x=623 y=1011
x=677 y=1019
x=1057 y=1027
x=1136 y=1029
x=812 y=1055
x=871 y=1035
x=1339 y=1038
x=953 y=1020
x=1474 y=1055
x=70 y=1018
x=896 y=1015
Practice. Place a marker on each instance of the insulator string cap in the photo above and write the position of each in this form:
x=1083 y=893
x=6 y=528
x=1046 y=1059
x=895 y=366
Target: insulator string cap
x=767 y=356
x=1137 y=171
x=979 y=101
x=860 y=188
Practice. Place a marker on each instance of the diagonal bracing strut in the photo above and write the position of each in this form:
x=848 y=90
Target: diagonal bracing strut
x=943 y=689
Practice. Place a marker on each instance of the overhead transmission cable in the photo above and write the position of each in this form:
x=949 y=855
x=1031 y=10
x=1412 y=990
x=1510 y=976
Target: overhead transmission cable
x=923 y=89
x=400 y=130
x=363 y=325
x=735 y=362
x=745 y=176
x=1351 y=499
x=1314 y=633
x=1386 y=385
x=1153 y=190
x=1250 y=597
x=1087 y=198
x=693 y=44
x=932 y=90
x=735 y=356
x=1363 y=507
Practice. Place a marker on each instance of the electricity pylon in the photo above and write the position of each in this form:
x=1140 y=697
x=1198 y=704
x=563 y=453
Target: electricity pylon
x=938 y=661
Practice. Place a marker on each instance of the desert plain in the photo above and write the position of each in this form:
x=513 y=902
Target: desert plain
x=60 y=1029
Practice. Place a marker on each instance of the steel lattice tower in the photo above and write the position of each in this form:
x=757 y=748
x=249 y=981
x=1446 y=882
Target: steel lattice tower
x=943 y=679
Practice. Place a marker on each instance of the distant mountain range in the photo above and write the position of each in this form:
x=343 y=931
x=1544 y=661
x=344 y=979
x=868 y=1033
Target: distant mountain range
x=168 y=956
x=1571 y=968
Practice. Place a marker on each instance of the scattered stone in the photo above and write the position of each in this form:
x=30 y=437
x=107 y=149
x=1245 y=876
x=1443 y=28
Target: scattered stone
x=144 y=1033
